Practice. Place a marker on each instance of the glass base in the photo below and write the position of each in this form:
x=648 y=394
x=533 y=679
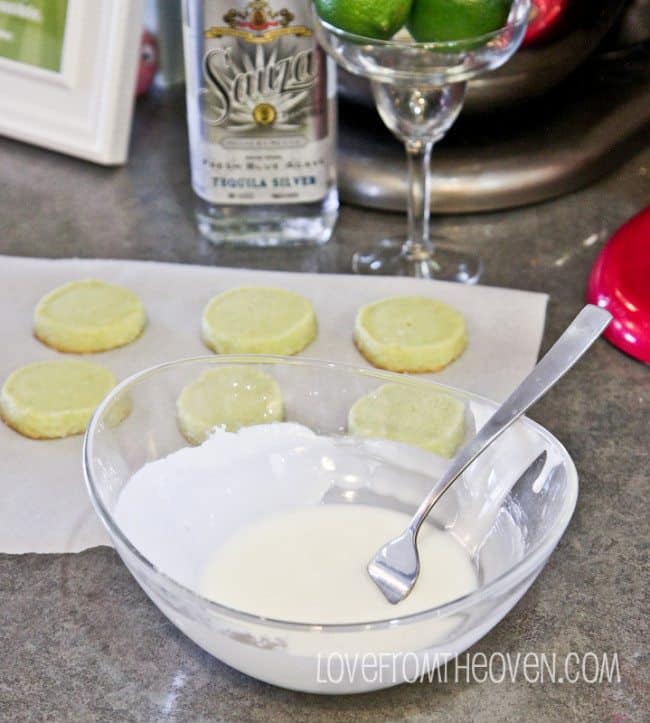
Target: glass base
x=295 y=224
x=445 y=263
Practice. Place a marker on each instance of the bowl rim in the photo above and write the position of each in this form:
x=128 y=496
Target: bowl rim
x=508 y=579
x=518 y=16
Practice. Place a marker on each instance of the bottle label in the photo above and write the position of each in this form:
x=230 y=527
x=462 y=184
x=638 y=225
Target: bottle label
x=258 y=103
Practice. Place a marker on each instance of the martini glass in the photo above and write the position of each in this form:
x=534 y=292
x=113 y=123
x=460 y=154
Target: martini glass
x=419 y=90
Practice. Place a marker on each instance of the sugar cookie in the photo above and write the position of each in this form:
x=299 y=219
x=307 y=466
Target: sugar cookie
x=410 y=334
x=55 y=398
x=88 y=316
x=230 y=397
x=258 y=320
x=425 y=418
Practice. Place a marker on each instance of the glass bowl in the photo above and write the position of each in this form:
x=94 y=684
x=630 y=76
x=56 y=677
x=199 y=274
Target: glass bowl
x=429 y=64
x=509 y=511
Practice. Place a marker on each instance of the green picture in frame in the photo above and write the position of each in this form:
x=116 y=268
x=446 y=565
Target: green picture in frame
x=32 y=32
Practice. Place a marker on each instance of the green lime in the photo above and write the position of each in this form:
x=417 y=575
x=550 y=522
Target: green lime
x=379 y=19
x=445 y=20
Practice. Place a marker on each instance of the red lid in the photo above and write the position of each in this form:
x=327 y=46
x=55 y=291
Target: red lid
x=545 y=18
x=620 y=283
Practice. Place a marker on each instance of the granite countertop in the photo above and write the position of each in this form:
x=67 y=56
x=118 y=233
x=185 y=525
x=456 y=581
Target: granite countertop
x=79 y=639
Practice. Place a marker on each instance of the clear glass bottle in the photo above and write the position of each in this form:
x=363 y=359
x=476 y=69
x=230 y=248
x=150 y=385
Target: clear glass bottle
x=261 y=111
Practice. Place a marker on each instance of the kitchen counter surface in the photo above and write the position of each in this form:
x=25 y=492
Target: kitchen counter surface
x=79 y=639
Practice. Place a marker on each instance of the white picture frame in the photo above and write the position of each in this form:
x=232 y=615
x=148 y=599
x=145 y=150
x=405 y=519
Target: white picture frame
x=85 y=109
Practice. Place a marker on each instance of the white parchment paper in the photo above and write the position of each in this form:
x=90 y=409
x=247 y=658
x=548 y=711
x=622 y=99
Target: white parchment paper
x=43 y=502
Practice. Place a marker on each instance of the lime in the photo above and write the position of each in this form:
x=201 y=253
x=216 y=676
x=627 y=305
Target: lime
x=379 y=19
x=445 y=20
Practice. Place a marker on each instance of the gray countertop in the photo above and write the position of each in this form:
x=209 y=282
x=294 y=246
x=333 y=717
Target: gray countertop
x=79 y=639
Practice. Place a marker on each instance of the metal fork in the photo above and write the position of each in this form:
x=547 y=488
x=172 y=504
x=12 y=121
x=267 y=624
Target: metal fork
x=396 y=566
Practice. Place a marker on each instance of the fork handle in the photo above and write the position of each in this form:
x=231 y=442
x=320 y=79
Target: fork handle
x=574 y=342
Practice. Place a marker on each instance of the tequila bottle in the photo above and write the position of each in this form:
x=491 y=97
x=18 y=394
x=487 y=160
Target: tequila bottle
x=261 y=113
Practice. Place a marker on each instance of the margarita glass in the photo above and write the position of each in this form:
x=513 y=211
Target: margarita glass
x=419 y=90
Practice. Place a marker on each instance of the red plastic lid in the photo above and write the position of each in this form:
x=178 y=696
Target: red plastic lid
x=545 y=18
x=620 y=283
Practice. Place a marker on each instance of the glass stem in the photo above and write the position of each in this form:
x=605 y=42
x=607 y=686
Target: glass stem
x=418 y=246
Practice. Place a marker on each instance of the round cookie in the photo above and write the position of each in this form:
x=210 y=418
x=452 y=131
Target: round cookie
x=410 y=334
x=88 y=316
x=229 y=397
x=258 y=320
x=54 y=399
x=425 y=418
